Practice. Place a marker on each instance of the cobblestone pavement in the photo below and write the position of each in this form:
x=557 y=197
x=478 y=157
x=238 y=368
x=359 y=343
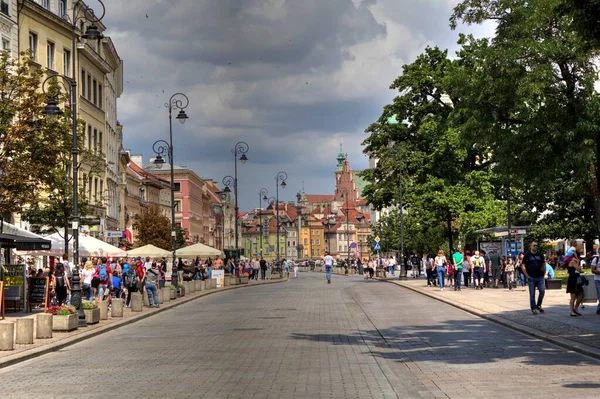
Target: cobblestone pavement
x=307 y=339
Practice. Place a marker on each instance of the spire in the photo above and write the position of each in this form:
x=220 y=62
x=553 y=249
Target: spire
x=341 y=157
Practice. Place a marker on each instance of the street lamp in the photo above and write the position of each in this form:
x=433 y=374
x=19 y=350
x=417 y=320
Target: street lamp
x=344 y=195
x=279 y=181
x=392 y=120
x=262 y=196
x=81 y=12
x=329 y=223
x=241 y=148
x=161 y=148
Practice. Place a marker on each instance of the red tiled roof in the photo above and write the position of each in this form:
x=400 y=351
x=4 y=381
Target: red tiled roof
x=319 y=198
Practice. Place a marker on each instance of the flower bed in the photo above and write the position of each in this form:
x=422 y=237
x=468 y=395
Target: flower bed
x=92 y=312
x=64 y=318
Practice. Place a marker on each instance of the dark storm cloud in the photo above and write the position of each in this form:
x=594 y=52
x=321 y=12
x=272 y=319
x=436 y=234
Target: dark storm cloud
x=292 y=78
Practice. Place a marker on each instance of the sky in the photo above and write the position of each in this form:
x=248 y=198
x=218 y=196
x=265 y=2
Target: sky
x=294 y=79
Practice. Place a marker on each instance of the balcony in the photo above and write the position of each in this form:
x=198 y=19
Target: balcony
x=4 y=8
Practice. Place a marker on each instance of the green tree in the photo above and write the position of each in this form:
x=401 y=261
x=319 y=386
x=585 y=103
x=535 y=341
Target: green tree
x=152 y=227
x=181 y=236
x=26 y=139
x=531 y=101
x=447 y=177
x=54 y=208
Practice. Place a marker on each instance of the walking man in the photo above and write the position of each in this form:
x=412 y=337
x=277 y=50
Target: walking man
x=328 y=260
x=534 y=268
x=457 y=259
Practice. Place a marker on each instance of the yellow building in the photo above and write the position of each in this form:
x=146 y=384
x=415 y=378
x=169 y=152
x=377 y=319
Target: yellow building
x=47 y=35
x=312 y=237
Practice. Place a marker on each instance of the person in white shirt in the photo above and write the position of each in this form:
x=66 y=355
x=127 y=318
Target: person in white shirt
x=596 y=272
x=295 y=269
x=328 y=260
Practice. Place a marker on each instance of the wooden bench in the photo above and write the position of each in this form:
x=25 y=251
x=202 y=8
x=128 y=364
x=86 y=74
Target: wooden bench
x=12 y=293
x=554 y=284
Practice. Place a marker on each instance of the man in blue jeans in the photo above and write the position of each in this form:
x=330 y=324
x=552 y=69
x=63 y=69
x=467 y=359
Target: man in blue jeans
x=534 y=268
x=328 y=261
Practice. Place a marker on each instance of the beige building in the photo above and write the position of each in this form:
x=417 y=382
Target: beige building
x=9 y=33
x=46 y=33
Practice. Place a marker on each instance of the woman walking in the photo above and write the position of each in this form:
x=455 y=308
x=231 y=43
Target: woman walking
x=574 y=287
x=440 y=264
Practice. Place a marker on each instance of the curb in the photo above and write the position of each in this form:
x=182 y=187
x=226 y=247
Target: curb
x=36 y=352
x=562 y=342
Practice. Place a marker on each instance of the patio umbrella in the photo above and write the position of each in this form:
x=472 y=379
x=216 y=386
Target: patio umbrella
x=88 y=246
x=149 y=250
x=198 y=250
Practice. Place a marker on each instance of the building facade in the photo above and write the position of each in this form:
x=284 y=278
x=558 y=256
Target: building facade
x=9 y=30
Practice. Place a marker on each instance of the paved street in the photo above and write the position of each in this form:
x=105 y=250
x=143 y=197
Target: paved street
x=307 y=339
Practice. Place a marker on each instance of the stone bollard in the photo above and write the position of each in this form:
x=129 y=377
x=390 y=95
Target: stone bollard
x=205 y=285
x=24 y=334
x=227 y=281
x=233 y=280
x=7 y=335
x=197 y=285
x=173 y=293
x=213 y=283
x=136 y=302
x=103 y=306
x=192 y=287
x=145 y=300
x=116 y=309
x=188 y=290
x=160 y=295
x=166 y=295
x=43 y=326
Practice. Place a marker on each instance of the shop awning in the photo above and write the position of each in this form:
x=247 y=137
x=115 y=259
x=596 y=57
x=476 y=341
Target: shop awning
x=24 y=243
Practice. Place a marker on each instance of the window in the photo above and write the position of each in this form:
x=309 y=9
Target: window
x=4 y=7
x=318 y=241
x=46 y=4
x=176 y=187
x=95 y=94
x=50 y=54
x=95 y=189
x=67 y=63
x=33 y=43
x=89 y=86
x=177 y=206
x=100 y=141
x=101 y=190
x=90 y=188
x=312 y=242
x=5 y=45
x=83 y=83
x=306 y=241
x=89 y=137
x=95 y=141
x=62 y=8
x=99 y=96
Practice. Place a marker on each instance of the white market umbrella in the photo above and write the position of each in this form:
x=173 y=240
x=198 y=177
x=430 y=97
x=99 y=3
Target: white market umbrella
x=199 y=249
x=88 y=246
x=150 y=251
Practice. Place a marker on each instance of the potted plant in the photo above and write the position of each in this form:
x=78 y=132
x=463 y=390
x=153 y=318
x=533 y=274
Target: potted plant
x=92 y=311
x=64 y=317
x=173 y=292
x=181 y=289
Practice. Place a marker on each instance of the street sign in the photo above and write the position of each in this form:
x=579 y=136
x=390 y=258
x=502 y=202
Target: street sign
x=377 y=239
x=114 y=234
x=352 y=245
x=377 y=246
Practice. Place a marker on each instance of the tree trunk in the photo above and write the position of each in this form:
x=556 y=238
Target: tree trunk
x=449 y=226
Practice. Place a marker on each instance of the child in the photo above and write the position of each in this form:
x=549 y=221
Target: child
x=509 y=270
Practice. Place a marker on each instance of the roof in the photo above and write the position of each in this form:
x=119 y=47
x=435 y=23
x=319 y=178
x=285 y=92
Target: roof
x=319 y=198
x=144 y=174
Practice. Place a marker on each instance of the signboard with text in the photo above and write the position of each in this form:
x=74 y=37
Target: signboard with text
x=219 y=275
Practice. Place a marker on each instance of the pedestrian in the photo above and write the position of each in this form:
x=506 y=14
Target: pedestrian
x=478 y=270
x=574 y=285
x=596 y=272
x=457 y=258
x=534 y=268
x=163 y=272
x=255 y=268
x=105 y=274
x=440 y=265
x=495 y=267
x=295 y=269
x=60 y=284
x=263 y=268
x=152 y=275
x=509 y=272
x=328 y=260
x=519 y=269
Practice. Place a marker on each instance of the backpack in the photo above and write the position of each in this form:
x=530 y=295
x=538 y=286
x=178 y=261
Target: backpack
x=60 y=281
x=131 y=278
x=477 y=262
x=103 y=274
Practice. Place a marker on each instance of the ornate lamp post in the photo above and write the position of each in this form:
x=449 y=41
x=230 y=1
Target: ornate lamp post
x=241 y=148
x=162 y=148
x=81 y=12
x=262 y=196
x=279 y=181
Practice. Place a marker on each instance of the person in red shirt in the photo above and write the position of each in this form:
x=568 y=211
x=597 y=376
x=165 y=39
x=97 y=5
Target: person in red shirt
x=141 y=271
